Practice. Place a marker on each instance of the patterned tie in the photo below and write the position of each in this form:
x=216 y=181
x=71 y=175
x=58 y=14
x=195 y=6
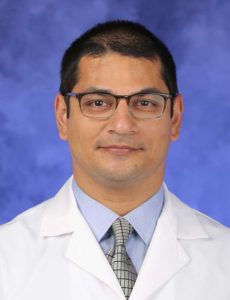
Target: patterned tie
x=119 y=259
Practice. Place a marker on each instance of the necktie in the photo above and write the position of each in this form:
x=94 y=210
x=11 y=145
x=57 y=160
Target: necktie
x=118 y=257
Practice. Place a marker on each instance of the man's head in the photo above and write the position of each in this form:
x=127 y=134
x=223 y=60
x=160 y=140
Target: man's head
x=129 y=146
x=122 y=37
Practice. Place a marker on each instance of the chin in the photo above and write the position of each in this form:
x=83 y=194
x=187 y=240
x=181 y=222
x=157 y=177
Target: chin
x=118 y=176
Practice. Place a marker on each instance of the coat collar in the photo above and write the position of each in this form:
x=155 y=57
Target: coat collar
x=61 y=212
x=185 y=220
x=165 y=255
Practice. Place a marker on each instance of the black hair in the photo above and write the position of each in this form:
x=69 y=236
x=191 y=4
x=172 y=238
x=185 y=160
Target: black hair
x=123 y=37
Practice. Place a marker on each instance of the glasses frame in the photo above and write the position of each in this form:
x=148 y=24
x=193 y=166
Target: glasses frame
x=79 y=96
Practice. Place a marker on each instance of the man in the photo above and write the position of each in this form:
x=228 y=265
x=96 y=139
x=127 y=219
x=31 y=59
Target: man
x=114 y=231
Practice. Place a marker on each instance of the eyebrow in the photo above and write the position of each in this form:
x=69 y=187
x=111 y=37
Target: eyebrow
x=101 y=90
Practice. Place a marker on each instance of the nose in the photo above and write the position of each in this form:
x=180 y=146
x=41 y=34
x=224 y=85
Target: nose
x=122 y=122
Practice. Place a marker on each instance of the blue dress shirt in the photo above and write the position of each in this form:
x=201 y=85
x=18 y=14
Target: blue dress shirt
x=143 y=219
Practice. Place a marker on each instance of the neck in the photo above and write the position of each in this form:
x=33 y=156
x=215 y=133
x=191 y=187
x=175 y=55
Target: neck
x=120 y=198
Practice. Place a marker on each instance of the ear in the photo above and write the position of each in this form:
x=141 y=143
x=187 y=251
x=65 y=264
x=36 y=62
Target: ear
x=178 y=108
x=61 y=116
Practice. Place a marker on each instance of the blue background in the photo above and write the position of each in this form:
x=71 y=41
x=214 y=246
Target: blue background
x=34 y=163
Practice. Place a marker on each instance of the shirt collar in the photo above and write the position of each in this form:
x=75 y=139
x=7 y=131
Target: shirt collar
x=100 y=218
x=144 y=217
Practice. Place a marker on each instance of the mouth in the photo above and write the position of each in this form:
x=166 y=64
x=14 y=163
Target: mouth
x=120 y=149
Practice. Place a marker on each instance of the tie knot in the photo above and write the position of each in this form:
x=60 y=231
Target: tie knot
x=121 y=230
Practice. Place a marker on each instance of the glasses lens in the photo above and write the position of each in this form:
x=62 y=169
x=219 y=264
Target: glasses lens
x=146 y=106
x=98 y=105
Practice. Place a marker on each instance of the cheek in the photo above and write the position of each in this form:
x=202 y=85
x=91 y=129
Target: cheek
x=82 y=135
x=158 y=139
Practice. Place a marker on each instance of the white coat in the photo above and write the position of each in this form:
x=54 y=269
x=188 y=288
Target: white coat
x=49 y=253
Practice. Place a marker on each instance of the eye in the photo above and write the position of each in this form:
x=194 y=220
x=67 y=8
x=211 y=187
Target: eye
x=97 y=103
x=145 y=103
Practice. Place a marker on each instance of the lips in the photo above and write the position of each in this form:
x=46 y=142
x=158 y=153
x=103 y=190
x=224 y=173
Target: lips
x=120 y=149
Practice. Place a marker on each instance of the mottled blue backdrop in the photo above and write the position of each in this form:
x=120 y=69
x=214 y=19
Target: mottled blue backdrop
x=34 y=163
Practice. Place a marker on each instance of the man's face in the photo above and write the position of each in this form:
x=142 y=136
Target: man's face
x=122 y=149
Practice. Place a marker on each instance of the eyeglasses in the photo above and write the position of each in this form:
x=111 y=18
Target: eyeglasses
x=102 y=105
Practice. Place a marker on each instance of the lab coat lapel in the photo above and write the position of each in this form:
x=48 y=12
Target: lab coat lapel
x=85 y=251
x=166 y=255
x=61 y=217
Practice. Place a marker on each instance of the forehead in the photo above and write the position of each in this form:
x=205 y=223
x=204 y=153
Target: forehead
x=119 y=73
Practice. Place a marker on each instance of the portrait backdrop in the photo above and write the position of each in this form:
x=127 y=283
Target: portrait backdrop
x=34 y=162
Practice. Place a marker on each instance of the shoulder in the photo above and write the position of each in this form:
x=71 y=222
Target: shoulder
x=190 y=221
x=29 y=222
x=212 y=226
x=23 y=231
